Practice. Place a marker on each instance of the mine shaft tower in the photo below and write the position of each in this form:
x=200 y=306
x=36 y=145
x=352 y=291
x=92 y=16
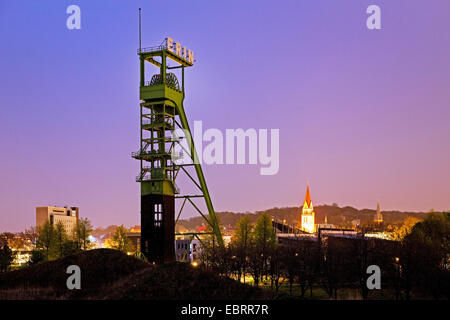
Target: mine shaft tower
x=161 y=112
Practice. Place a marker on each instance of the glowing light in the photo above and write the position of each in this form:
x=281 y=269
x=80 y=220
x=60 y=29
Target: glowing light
x=194 y=264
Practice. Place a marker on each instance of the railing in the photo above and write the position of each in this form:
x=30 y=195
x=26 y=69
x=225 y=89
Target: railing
x=153 y=49
x=148 y=122
x=156 y=153
x=144 y=177
x=283 y=227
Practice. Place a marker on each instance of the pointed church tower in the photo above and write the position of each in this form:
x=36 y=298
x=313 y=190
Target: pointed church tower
x=378 y=217
x=307 y=217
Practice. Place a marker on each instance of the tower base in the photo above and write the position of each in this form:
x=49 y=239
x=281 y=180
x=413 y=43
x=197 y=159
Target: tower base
x=158 y=228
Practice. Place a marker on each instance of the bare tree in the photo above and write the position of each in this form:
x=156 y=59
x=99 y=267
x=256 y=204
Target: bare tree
x=81 y=232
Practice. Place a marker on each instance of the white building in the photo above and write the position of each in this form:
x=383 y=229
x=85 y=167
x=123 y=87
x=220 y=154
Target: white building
x=189 y=249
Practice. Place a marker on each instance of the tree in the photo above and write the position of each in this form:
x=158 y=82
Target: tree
x=31 y=234
x=17 y=243
x=243 y=233
x=82 y=230
x=242 y=239
x=70 y=247
x=6 y=258
x=401 y=232
x=255 y=262
x=120 y=240
x=277 y=268
x=265 y=238
x=37 y=256
x=60 y=238
x=45 y=238
x=428 y=249
x=334 y=265
x=306 y=264
x=290 y=262
x=6 y=238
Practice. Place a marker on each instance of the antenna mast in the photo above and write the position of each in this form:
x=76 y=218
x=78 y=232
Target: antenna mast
x=140 y=46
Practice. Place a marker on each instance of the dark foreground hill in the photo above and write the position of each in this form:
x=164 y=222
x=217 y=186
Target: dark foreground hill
x=109 y=274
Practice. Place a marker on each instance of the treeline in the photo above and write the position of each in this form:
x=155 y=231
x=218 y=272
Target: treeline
x=54 y=242
x=339 y=216
x=417 y=266
x=10 y=243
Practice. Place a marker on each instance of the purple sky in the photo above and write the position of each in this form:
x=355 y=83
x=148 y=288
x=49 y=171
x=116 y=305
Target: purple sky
x=363 y=115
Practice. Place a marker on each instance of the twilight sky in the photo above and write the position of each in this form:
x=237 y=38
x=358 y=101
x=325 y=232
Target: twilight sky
x=363 y=115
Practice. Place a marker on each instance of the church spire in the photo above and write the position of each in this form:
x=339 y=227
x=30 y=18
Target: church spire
x=307 y=197
x=378 y=216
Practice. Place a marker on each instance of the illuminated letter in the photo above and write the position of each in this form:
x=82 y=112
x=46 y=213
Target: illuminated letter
x=241 y=136
x=74 y=281
x=198 y=141
x=74 y=20
x=374 y=280
x=213 y=152
x=184 y=52
x=169 y=44
x=190 y=56
x=184 y=139
x=178 y=49
x=374 y=21
x=273 y=161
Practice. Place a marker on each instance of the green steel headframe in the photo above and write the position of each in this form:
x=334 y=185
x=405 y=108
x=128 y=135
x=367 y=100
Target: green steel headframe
x=161 y=112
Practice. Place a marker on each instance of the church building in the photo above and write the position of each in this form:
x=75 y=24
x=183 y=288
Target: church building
x=308 y=214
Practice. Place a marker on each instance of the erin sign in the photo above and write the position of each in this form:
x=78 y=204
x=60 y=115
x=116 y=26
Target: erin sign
x=180 y=51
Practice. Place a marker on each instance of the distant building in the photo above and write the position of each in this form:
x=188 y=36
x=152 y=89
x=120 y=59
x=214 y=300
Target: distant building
x=135 y=229
x=187 y=249
x=135 y=238
x=308 y=214
x=21 y=257
x=226 y=239
x=68 y=216
x=378 y=217
x=356 y=223
x=379 y=235
x=337 y=232
x=324 y=225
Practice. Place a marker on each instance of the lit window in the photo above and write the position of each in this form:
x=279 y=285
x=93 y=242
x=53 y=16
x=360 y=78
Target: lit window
x=158 y=217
